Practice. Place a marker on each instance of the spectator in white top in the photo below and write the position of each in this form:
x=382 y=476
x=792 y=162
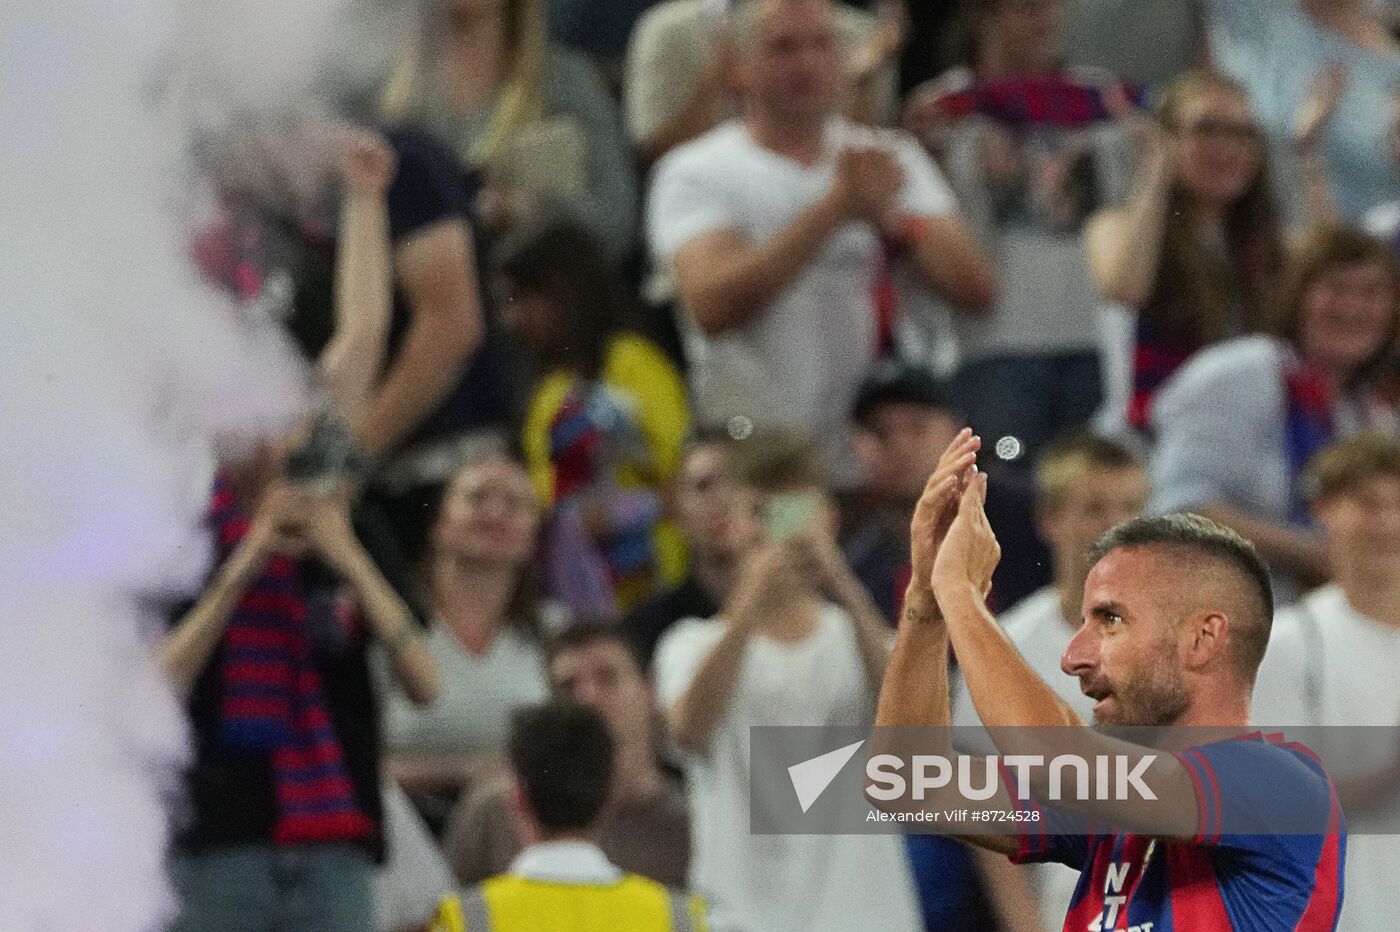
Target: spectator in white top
x=1334 y=658
x=682 y=69
x=799 y=642
x=773 y=226
x=1085 y=484
x=487 y=620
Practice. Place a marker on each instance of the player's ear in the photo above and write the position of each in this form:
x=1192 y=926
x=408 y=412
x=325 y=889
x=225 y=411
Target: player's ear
x=1209 y=631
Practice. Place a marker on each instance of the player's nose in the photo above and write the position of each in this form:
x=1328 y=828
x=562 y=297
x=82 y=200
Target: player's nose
x=1081 y=656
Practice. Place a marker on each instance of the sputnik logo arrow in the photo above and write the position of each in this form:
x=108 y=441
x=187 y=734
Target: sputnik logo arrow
x=811 y=777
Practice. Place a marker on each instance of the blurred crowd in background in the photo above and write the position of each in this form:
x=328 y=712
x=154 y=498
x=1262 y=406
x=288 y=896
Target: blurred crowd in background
x=640 y=326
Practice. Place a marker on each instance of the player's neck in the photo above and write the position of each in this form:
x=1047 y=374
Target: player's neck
x=1217 y=710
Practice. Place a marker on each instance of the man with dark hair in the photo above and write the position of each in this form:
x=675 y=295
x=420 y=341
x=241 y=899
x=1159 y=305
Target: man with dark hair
x=703 y=489
x=1175 y=618
x=798 y=642
x=646 y=828
x=1334 y=657
x=562 y=759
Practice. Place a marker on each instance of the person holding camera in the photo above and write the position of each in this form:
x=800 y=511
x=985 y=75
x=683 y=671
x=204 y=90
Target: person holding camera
x=284 y=810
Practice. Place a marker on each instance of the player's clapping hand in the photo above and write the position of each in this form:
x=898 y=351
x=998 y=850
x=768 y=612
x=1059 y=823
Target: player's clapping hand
x=938 y=505
x=969 y=553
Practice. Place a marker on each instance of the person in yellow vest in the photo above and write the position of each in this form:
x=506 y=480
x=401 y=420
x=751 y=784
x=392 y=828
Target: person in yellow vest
x=562 y=755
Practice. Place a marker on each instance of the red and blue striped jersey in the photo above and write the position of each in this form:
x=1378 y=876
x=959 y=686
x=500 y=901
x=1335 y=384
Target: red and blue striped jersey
x=1218 y=881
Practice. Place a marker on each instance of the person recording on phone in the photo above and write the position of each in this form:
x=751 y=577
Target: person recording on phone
x=797 y=642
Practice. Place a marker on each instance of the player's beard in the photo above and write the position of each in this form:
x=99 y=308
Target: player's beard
x=1153 y=695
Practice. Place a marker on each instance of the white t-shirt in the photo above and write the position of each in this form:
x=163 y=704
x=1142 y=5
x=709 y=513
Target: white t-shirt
x=1329 y=666
x=800 y=361
x=773 y=883
x=1038 y=629
x=472 y=711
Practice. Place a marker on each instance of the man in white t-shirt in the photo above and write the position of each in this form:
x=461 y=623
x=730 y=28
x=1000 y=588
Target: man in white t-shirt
x=799 y=642
x=1085 y=484
x=778 y=227
x=1334 y=657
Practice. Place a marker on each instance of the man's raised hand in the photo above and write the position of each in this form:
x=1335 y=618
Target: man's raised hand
x=969 y=553
x=938 y=505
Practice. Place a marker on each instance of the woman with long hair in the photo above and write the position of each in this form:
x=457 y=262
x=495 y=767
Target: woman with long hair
x=533 y=118
x=1237 y=424
x=485 y=621
x=1196 y=249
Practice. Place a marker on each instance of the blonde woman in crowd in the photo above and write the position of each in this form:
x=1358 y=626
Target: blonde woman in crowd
x=535 y=119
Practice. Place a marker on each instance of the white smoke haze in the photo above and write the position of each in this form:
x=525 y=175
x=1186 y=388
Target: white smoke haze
x=119 y=368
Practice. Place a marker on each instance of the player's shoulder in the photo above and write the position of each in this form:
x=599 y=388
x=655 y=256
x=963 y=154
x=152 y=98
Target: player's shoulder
x=1090 y=75
x=1268 y=757
x=1238 y=368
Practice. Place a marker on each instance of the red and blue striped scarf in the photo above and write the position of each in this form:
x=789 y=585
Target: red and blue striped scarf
x=1309 y=427
x=272 y=698
x=1155 y=359
x=1044 y=99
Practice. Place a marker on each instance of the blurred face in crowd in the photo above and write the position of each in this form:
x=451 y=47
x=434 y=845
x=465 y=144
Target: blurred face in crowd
x=898 y=447
x=793 y=68
x=1099 y=498
x=604 y=676
x=1217 y=144
x=489 y=514
x=704 y=501
x=1024 y=35
x=1348 y=312
x=1363 y=528
x=757 y=514
x=1126 y=653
